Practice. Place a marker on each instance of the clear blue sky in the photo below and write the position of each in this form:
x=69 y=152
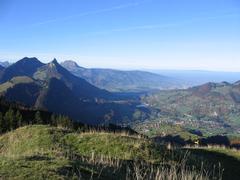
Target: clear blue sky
x=129 y=34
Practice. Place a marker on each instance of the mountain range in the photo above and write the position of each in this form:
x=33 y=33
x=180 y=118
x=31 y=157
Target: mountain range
x=51 y=87
x=122 y=81
x=83 y=95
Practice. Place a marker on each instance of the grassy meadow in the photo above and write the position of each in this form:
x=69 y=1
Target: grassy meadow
x=45 y=152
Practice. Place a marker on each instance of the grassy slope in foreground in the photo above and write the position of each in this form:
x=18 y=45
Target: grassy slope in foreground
x=44 y=152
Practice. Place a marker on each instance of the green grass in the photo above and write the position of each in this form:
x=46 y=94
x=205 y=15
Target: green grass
x=45 y=152
x=30 y=140
x=48 y=140
x=113 y=145
x=31 y=167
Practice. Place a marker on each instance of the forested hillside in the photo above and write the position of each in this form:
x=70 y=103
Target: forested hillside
x=212 y=109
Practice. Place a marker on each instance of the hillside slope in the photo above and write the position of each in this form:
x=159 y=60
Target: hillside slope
x=78 y=86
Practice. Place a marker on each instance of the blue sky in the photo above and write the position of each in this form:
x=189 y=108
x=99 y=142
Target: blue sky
x=125 y=34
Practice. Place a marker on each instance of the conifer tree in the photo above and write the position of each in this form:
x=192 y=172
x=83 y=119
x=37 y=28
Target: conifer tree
x=9 y=119
x=19 y=118
x=38 y=118
x=53 y=120
x=64 y=121
x=3 y=127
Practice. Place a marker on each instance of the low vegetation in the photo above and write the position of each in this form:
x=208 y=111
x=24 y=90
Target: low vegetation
x=46 y=152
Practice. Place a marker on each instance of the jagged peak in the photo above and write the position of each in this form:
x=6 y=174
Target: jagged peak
x=55 y=67
x=54 y=61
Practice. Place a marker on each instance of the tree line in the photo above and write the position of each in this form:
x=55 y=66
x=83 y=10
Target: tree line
x=14 y=118
x=14 y=115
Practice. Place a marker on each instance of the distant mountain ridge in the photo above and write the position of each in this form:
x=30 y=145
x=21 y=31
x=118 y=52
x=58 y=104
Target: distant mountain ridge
x=5 y=64
x=1 y=68
x=198 y=77
x=117 y=80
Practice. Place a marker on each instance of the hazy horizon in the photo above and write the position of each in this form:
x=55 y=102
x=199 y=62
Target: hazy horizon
x=156 y=70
